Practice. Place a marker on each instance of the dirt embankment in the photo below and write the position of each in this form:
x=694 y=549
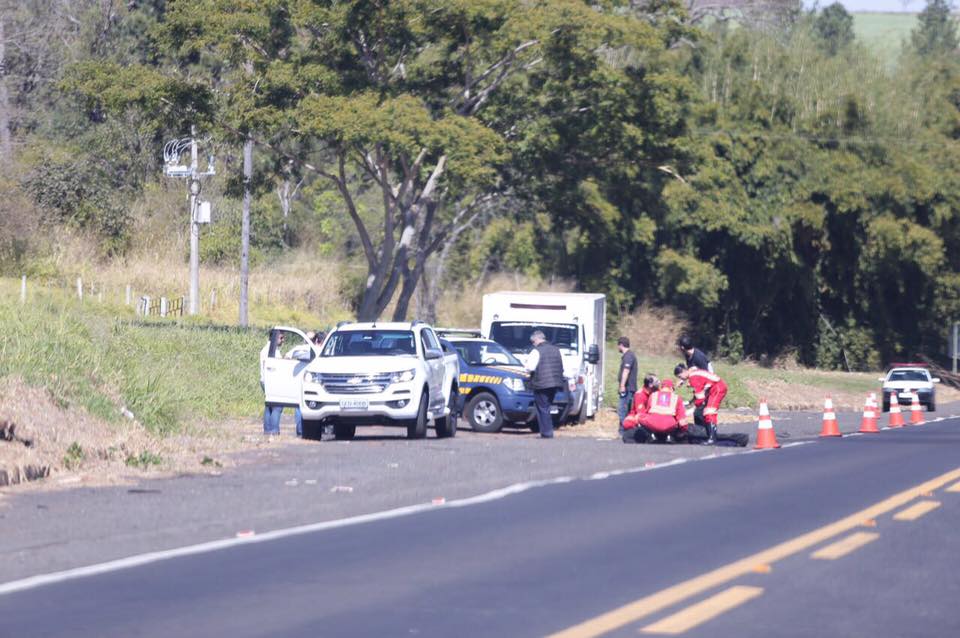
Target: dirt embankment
x=40 y=439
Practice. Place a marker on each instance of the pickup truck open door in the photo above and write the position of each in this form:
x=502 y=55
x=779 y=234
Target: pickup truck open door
x=282 y=365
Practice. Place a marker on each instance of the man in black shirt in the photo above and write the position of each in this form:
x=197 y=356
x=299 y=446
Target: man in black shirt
x=627 y=378
x=694 y=356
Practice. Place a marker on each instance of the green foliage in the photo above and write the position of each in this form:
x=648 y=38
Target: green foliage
x=144 y=460
x=936 y=32
x=689 y=282
x=834 y=25
x=267 y=228
x=74 y=457
x=161 y=372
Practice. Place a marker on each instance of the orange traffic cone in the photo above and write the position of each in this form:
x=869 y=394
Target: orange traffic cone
x=896 y=418
x=766 y=437
x=830 y=427
x=916 y=410
x=868 y=425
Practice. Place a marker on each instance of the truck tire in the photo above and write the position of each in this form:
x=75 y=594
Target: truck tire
x=446 y=426
x=312 y=430
x=931 y=405
x=343 y=432
x=484 y=413
x=417 y=429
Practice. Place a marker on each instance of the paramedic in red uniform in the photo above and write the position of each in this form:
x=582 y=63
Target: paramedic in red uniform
x=650 y=385
x=708 y=391
x=662 y=416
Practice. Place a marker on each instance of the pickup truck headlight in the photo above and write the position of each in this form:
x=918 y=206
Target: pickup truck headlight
x=403 y=375
x=315 y=377
x=514 y=383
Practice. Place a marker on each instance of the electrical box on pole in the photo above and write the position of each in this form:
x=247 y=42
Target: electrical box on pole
x=174 y=166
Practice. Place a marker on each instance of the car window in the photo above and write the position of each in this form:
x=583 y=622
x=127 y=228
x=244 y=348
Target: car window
x=908 y=375
x=288 y=344
x=360 y=343
x=431 y=339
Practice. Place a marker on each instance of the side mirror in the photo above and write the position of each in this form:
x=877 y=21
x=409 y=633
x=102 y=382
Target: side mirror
x=432 y=353
x=882 y=379
x=303 y=355
x=936 y=379
x=593 y=354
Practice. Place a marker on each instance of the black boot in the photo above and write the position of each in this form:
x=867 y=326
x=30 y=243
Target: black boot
x=711 y=434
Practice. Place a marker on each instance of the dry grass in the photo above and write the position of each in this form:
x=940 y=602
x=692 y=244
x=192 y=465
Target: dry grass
x=300 y=287
x=653 y=331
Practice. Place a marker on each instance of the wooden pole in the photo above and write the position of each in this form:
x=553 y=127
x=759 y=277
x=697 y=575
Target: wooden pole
x=79 y=288
x=23 y=289
x=129 y=295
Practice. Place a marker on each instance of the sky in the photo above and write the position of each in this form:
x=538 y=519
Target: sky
x=909 y=6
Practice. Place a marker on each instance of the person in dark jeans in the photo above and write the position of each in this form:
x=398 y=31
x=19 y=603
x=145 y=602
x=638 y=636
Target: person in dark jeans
x=546 y=377
x=627 y=378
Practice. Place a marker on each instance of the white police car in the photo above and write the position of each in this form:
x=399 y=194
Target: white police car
x=905 y=379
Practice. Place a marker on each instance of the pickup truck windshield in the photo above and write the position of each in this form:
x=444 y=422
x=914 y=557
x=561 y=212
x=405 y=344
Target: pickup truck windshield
x=485 y=353
x=366 y=343
x=516 y=335
x=907 y=375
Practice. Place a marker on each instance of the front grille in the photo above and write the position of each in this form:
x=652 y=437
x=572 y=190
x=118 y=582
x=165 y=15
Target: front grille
x=355 y=383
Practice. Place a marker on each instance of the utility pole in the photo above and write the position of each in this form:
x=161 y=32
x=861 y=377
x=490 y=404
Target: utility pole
x=199 y=211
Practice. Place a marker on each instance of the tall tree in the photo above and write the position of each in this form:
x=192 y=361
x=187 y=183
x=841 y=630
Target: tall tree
x=936 y=31
x=834 y=25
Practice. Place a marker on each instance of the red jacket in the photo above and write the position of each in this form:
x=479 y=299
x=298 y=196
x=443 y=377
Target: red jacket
x=639 y=407
x=702 y=381
x=664 y=411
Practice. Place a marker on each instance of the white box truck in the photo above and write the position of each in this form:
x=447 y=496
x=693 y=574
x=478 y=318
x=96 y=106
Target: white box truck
x=574 y=322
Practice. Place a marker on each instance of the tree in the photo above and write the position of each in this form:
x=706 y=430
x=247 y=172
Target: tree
x=426 y=103
x=834 y=25
x=936 y=32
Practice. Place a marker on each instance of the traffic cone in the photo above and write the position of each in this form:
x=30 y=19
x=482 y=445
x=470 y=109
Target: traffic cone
x=896 y=418
x=916 y=410
x=766 y=437
x=830 y=427
x=868 y=425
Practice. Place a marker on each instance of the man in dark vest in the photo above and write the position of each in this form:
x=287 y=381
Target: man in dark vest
x=546 y=368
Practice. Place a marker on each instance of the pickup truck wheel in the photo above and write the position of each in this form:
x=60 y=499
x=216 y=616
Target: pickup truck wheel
x=312 y=430
x=446 y=426
x=483 y=413
x=344 y=432
x=931 y=406
x=418 y=428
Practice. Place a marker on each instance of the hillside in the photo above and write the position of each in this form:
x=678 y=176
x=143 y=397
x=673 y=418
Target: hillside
x=884 y=32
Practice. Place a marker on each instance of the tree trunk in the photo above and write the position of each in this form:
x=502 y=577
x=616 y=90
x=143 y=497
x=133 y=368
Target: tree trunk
x=5 y=146
x=245 y=229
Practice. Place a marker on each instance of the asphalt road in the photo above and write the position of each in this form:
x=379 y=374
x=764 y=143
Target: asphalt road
x=290 y=483
x=613 y=556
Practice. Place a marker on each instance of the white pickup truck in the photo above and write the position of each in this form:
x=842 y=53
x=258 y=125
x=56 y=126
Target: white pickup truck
x=380 y=374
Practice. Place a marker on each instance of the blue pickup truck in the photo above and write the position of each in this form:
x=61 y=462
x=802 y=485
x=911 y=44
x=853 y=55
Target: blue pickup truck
x=494 y=387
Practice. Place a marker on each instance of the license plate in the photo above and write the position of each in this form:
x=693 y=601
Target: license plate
x=554 y=410
x=354 y=404
x=906 y=395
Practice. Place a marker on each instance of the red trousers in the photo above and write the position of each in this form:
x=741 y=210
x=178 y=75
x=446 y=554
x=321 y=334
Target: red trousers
x=660 y=423
x=714 y=398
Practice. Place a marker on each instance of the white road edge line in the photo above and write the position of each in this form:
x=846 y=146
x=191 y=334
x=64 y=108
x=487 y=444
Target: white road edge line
x=226 y=543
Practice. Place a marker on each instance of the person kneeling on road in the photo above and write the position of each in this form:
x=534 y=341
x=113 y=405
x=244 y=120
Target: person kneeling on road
x=663 y=417
x=650 y=385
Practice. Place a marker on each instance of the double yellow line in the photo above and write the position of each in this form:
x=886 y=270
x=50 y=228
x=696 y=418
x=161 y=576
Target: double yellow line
x=670 y=596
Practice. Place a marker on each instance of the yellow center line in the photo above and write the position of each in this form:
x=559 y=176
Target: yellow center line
x=915 y=511
x=703 y=611
x=648 y=605
x=845 y=546
x=954 y=488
